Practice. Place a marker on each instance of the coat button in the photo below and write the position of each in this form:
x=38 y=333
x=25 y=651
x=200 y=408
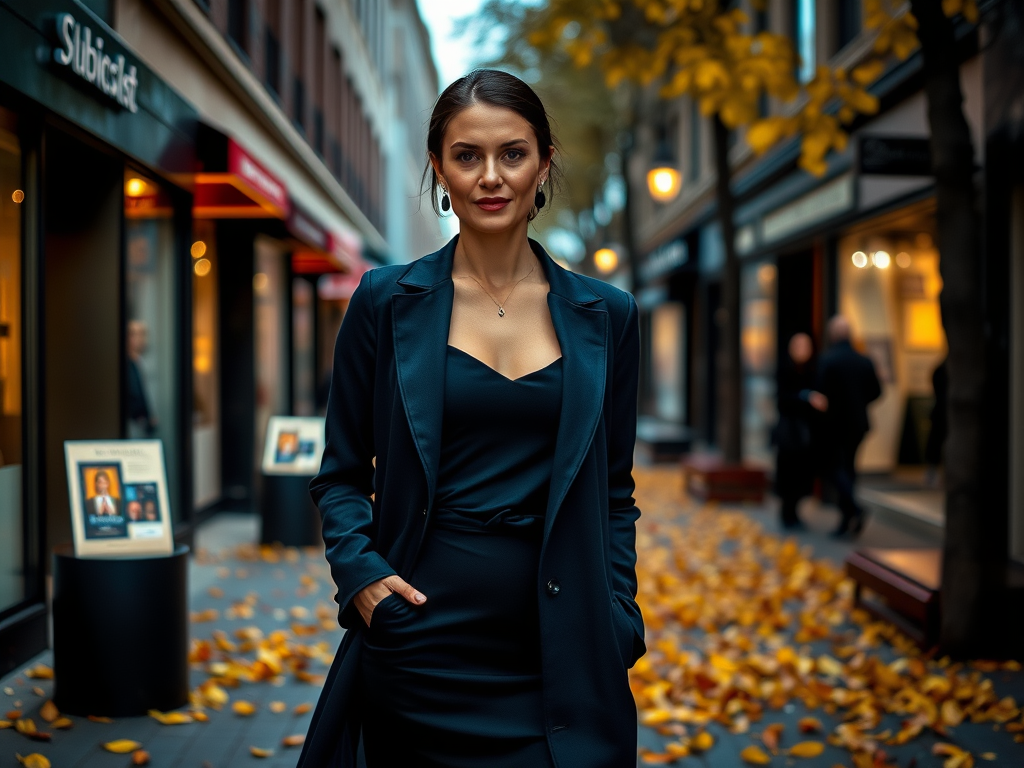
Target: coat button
x=554 y=587
x=424 y=510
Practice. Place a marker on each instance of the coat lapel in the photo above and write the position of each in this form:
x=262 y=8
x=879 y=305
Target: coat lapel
x=421 y=318
x=581 y=325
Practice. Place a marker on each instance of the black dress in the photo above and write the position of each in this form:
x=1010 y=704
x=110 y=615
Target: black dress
x=457 y=681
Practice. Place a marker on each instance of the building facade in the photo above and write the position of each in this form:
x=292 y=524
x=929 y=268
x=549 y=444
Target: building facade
x=190 y=192
x=859 y=241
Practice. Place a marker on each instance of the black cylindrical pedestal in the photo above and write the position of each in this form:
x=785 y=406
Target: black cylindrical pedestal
x=120 y=633
x=289 y=515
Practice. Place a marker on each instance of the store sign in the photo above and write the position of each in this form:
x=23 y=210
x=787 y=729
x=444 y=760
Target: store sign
x=894 y=156
x=830 y=199
x=306 y=229
x=664 y=259
x=86 y=54
x=256 y=176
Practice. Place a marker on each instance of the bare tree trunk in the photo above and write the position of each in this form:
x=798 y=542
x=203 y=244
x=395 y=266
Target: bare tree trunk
x=974 y=555
x=729 y=371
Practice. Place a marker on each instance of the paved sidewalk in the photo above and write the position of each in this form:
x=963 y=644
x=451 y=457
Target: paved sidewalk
x=251 y=592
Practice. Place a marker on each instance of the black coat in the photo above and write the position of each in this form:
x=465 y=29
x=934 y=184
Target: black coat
x=848 y=379
x=794 y=435
x=386 y=401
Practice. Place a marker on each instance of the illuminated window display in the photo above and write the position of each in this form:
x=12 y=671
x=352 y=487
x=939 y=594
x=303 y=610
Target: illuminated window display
x=889 y=288
x=758 y=287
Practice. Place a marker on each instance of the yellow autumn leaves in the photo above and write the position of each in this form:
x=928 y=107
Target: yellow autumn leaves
x=741 y=624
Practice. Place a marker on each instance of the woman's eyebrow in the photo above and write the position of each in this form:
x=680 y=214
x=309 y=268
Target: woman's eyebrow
x=467 y=145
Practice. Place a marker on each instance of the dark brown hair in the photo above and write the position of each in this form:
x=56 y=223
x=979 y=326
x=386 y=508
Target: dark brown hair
x=498 y=89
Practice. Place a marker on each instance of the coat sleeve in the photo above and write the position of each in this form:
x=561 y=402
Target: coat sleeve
x=343 y=488
x=623 y=512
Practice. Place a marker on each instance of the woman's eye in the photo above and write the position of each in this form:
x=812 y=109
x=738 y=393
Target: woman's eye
x=465 y=157
x=514 y=154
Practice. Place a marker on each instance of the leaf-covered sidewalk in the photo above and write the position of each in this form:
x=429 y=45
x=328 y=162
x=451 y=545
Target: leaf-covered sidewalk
x=756 y=657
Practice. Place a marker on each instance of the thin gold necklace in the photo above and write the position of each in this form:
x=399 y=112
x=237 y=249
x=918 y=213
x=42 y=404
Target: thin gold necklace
x=501 y=308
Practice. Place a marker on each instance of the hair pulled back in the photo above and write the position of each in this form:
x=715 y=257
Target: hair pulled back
x=497 y=89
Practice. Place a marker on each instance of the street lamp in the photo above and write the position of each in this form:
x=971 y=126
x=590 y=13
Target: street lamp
x=606 y=260
x=663 y=179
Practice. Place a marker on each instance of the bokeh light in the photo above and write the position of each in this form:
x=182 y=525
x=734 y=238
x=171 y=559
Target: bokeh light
x=198 y=249
x=663 y=183
x=606 y=260
x=881 y=259
x=202 y=267
x=860 y=259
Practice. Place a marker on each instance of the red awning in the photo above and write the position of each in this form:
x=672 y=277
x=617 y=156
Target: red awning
x=232 y=184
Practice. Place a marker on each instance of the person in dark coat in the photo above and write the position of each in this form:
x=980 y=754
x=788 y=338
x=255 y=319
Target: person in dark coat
x=848 y=379
x=479 y=525
x=798 y=404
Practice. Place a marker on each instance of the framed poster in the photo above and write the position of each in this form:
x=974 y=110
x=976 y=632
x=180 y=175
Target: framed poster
x=295 y=445
x=119 y=501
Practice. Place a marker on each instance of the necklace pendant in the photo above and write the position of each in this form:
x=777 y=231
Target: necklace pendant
x=501 y=312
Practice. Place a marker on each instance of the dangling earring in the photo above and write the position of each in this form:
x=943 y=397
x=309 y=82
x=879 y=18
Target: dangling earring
x=539 y=198
x=446 y=204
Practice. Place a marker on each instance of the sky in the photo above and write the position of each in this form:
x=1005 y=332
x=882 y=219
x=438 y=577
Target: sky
x=454 y=56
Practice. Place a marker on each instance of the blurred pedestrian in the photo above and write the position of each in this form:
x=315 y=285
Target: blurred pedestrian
x=848 y=379
x=939 y=425
x=141 y=421
x=488 y=587
x=798 y=404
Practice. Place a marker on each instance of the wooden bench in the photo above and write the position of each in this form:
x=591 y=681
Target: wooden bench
x=905 y=589
x=708 y=478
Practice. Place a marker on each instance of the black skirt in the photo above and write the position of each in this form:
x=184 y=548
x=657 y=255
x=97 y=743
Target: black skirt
x=457 y=681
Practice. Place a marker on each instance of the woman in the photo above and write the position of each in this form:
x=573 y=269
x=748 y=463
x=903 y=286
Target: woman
x=797 y=402
x=488 y=585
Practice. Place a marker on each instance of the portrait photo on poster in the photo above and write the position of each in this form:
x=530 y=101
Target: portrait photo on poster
x=294 y=445
x=119 y=499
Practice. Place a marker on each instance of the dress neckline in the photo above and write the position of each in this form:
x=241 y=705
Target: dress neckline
x=499 y=373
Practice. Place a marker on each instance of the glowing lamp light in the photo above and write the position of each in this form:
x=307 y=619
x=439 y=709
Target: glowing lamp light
x=17 y=196
x=903 y=259
x=260 y=282
x=135 y=187
x=663 y=183
x=881 y=259
x=198 y=249
x=606 y=260
x=202 y=267
x=860 y=259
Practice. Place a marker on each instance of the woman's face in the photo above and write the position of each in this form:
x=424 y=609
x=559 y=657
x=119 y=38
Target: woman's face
x=800 y=348
x=491 y=166
x=102 y=485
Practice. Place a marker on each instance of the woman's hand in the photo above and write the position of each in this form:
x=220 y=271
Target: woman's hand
x=818 y=401
x=367 y=598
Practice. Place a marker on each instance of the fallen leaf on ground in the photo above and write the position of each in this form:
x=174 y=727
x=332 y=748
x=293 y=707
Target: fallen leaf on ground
x=277 y=707
x=243 y=708
x=303 y=708
x=755 y=755
x=200 y=717
x=809 y=725
x=13 y=714
x=140 y=757
x=170 y=718
x=5 y=724
x=259 y=752
x=702 y=742
x=40 y=672
x=100 y=719
x=772 y=735
x=49 y=712
x=807 y=749
x=215 y=592
x=38 y=691
x=295 y=740
x=121 y=746
x=62 y=723
x=35 y=760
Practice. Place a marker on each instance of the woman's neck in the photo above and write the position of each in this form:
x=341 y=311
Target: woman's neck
x=497 y=258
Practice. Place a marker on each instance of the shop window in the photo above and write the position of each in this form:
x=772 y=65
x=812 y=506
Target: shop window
x=150 y=404
x=758 y=335
x=696 y=144
x=206 y=434
x=668 y=361
x=238 y=23
x=848 y=22
x=805 y=38
x=270 y=319
x=889 y=288
x=12 y=196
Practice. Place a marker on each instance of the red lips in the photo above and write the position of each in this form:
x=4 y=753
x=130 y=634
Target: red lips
x=492 y=203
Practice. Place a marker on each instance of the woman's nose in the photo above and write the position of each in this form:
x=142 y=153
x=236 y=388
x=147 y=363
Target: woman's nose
x=491 y=178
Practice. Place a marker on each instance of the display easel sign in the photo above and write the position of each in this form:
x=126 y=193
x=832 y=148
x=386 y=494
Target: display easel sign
x=119 y=501
x=295 y=445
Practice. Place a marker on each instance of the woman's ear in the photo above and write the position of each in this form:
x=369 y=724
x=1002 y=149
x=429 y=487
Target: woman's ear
x=545 y=166
x=436 y=165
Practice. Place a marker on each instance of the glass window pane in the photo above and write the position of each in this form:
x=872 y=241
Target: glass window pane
x=206 y=479
x=150 y=333
x=12 y=564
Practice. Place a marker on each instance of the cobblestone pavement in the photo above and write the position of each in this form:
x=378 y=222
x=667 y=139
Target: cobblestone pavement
x=747 y=632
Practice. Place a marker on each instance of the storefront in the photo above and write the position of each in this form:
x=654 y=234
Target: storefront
x=94 y=280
